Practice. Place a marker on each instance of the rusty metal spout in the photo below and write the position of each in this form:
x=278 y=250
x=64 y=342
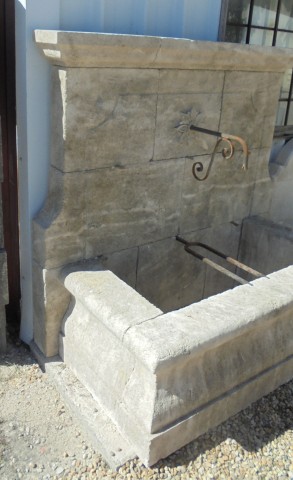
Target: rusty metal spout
x=227 y=152
x=227 y=136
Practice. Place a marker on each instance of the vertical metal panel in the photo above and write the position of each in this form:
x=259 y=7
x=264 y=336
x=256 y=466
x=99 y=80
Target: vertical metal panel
x=8 y=132
x=201 y=19
x=194 y=19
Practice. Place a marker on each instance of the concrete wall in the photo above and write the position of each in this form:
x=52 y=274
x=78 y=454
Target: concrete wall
x=189 y=18
x=3 y=265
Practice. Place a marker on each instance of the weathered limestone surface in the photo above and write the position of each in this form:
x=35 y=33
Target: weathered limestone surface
x=266 y=245
x=263 y=186
x=249 y=104
x=121 y=188
x=119 y=125
x=216 y=357
x=122 y=155
x=201 y=109
x=282 y=197
x=51 y=299
x=132 y=206
x=223 y=197
x=77 y=49
x=185 y=279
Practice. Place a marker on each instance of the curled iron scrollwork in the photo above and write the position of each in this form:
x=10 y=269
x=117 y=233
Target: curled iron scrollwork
x=227 y=151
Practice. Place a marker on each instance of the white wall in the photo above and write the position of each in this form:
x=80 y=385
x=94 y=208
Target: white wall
x=195 y=19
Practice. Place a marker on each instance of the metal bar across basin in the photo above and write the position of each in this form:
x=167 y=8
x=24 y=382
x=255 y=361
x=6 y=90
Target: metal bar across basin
x=215 y=265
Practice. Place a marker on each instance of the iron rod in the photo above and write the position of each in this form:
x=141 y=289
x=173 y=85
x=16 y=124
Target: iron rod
x=215 y=265
x=205 y=130
x=229 y=259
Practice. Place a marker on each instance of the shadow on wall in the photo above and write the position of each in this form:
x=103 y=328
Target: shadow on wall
x=281 y=172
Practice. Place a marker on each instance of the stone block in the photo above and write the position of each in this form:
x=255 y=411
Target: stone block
x=167 y=276
x=123 y=264
x=265 y=245
x=216 y=357
x=229 y=338
x=249 y=106
x=58 y=230
x=106 y=306
x=126 y=207
x=281 y=203
x=263 y=187
x=84 y=49
x=219 y=410
x=190 y=82
x=4 y=298
x=51 y=300
x=96 y=289
x=225 y=196
x=108 y=118
x=117 y=379
x=282 y=196
x=175 y=110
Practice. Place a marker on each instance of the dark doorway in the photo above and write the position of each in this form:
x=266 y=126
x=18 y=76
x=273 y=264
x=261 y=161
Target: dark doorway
x=9 y=186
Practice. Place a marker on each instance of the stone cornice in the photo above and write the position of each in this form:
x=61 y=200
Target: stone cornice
x=79 y=49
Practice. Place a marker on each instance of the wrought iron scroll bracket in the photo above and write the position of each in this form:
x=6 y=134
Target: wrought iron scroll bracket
x=227 y=151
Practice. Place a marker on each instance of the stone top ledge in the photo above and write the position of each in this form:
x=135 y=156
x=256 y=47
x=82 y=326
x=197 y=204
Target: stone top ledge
x=83 y=49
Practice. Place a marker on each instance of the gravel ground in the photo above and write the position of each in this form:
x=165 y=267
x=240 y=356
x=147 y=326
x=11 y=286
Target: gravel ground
x=40 y=440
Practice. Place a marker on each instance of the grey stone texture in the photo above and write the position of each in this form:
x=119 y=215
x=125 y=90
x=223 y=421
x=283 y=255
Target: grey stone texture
x=78 y=49
x=170 y=377
x=121 y=184
x=263 y=186
x=251 y=96
x=3 y=264
x=121 y=188
x=266 y=245
x=282 y=195
x=51 y=298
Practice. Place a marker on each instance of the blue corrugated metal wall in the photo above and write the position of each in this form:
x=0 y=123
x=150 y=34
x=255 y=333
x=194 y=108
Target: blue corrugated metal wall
x=196 y=19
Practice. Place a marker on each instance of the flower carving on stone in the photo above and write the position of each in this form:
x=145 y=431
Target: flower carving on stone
x=188 y=117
